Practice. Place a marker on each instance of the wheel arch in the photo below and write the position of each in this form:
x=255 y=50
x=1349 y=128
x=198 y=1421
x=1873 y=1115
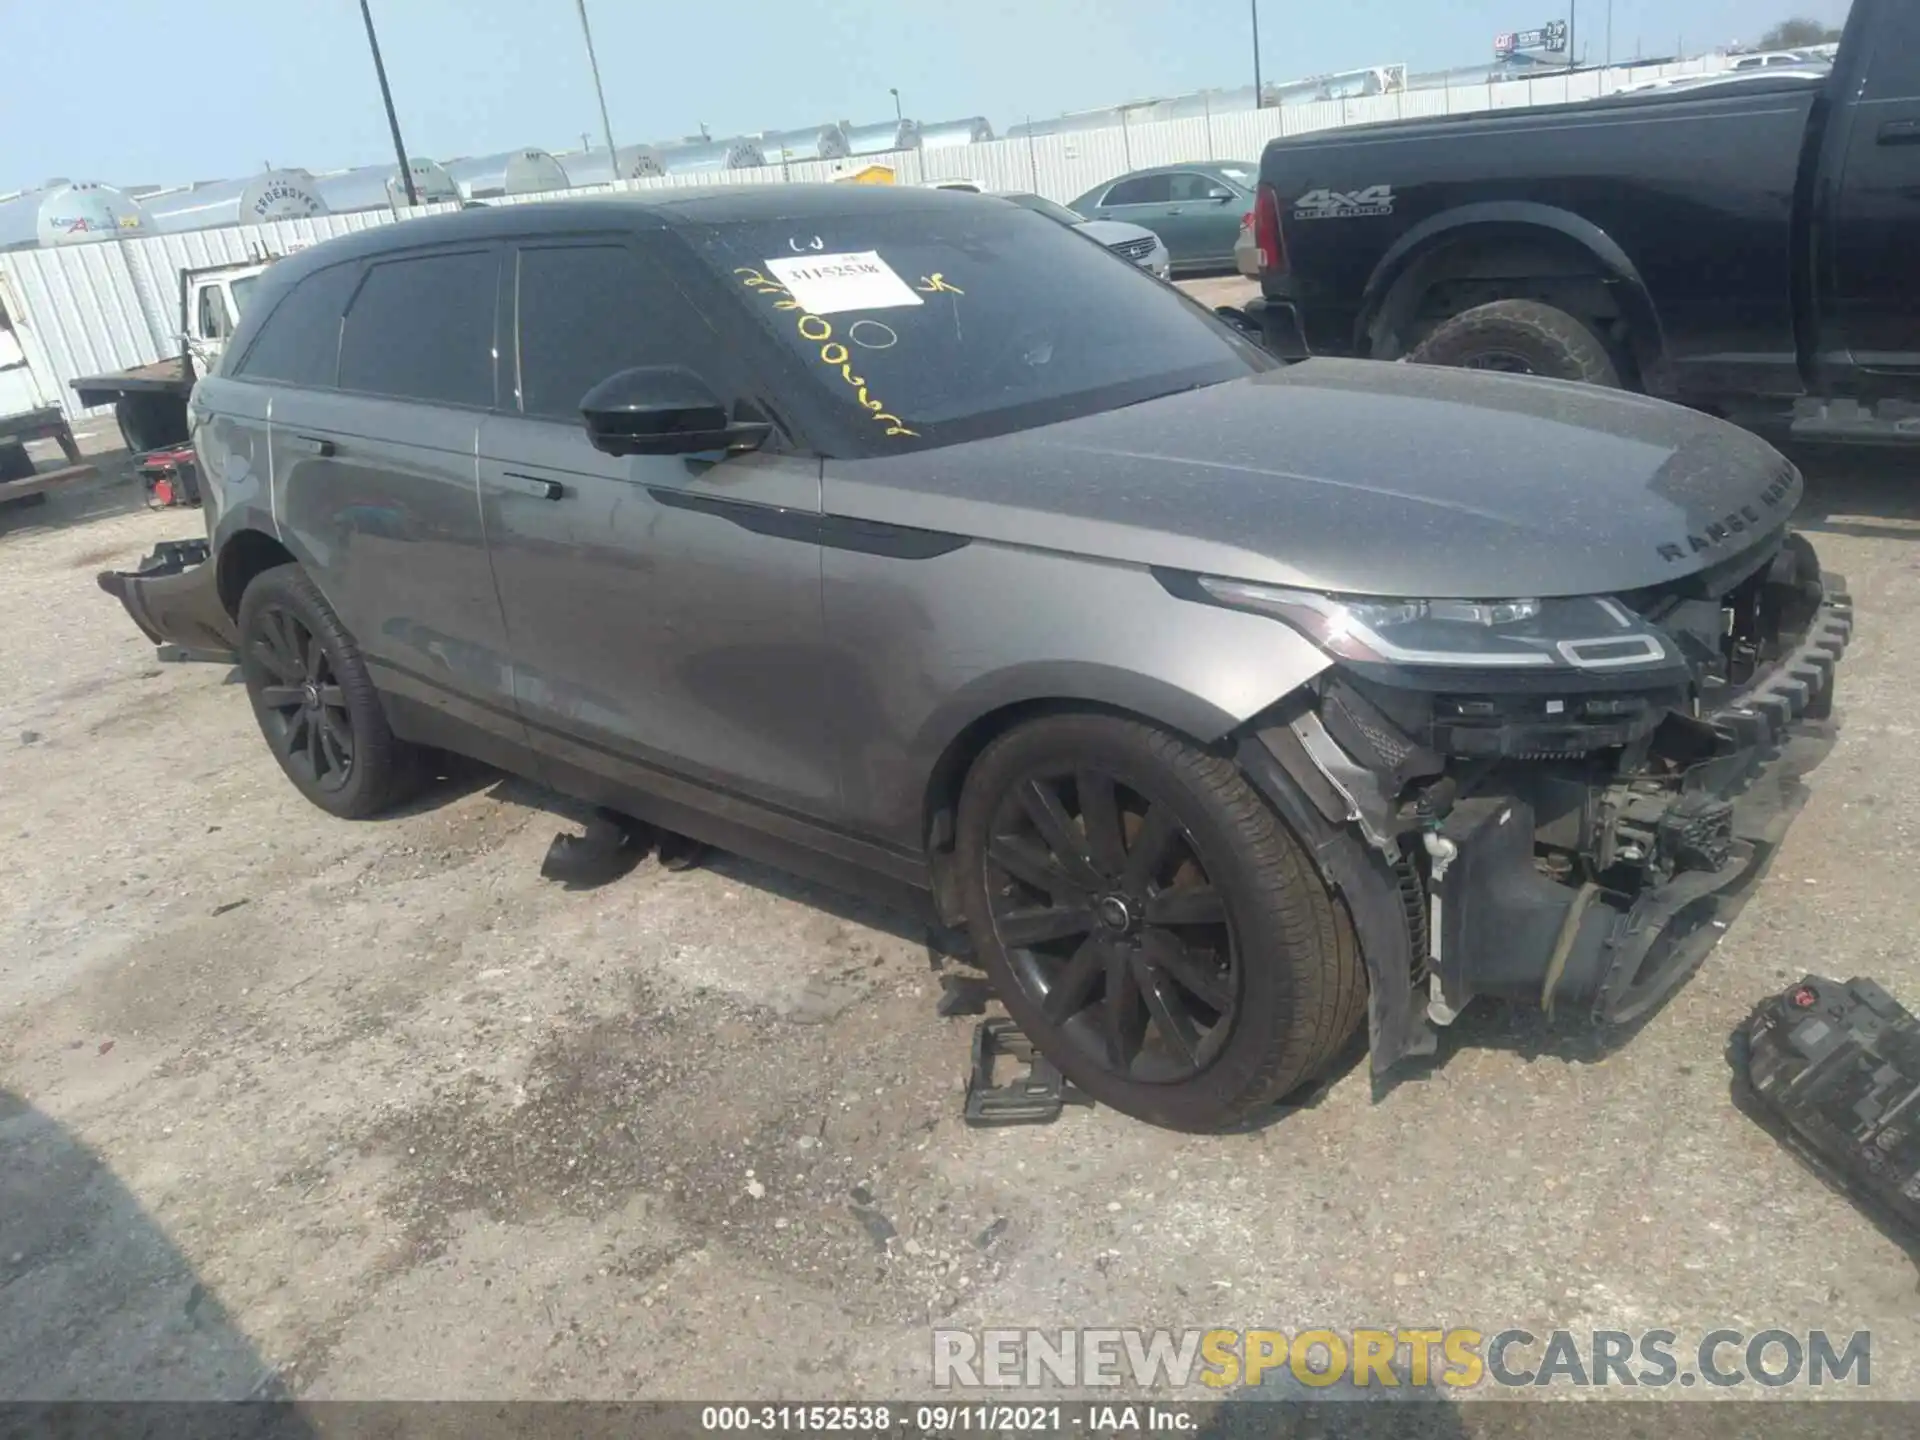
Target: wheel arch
x=1445 y=246
x=245 y=554
x=956 y=738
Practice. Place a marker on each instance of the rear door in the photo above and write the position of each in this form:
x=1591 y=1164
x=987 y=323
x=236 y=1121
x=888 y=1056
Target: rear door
x=664 y=610
x=1871 y=302
x=1140 y=200
x=375 y=486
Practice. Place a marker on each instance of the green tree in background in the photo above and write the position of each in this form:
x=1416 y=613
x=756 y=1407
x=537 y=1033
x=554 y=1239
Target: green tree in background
x=1793 y=34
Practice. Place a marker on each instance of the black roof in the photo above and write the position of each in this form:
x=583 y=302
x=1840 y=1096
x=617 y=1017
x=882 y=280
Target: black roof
x=662 y=209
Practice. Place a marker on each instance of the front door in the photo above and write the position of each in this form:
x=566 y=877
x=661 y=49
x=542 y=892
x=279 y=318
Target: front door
x=374 y=483
x=1142 y=200
x=1874 y=302
x=663 y=611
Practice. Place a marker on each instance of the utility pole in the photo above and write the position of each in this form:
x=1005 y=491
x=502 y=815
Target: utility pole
x=606 y=125
x=1573 y=34
x=897 y=115
x=1254 y=6
x=1609 y=34
x=386 y=98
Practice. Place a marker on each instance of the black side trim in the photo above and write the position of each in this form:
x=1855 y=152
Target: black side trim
x=838 y=532
x=777 y=521
x=870 y=537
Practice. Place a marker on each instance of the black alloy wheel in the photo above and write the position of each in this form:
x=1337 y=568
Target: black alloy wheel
x=316 y=702
x=304 y=710
x=1149 y=921
x=1112 y=923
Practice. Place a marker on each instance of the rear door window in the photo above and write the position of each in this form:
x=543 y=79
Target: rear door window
x=1141 y=190
x=586 y=311
x=422 y=328
x=300 y=342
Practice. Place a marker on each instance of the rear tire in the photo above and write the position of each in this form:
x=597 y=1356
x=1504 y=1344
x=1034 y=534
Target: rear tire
x=316 y=703
x=1521 y=337
x=1176 y=954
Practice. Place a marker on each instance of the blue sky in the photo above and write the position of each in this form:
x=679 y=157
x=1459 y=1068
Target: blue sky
x=144 y=92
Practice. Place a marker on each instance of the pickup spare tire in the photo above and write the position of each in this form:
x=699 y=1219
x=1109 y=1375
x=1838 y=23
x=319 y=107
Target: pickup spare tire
x=1520 y=337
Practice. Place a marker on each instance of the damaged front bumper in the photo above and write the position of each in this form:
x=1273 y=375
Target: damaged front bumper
x=1591 y=884
x=175 y=600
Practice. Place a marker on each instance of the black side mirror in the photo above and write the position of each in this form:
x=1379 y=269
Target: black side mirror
x=663 y=410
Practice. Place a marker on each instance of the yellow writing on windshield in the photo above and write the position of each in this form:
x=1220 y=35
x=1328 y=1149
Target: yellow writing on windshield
x=937 y=284
x=816 y=330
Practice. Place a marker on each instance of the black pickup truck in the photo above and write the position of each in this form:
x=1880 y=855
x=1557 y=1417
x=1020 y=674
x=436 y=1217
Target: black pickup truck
x=1749 y=247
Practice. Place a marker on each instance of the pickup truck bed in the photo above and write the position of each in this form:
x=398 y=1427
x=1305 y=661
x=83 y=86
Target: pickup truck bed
x=1741 y=246
x=161 y=377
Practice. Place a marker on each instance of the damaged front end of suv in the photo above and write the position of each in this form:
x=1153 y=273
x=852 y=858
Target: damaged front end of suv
x=1555 y=801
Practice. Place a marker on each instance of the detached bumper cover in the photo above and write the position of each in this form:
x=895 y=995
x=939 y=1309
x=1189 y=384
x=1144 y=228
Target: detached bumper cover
x=174 y=599
x=1589 y=953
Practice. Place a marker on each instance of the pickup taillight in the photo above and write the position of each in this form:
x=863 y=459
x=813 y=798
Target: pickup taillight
x=1267 y=238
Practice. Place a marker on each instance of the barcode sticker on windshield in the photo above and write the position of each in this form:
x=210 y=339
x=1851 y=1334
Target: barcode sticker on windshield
x=829 y=284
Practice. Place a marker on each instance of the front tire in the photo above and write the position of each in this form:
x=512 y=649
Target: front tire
x=315 y=700
x=1521 y=337
x=1151 y=924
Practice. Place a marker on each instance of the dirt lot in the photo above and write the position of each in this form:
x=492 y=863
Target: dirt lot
x=372 y=1110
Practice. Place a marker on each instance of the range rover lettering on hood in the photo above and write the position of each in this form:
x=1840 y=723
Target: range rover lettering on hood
x=1737 y=522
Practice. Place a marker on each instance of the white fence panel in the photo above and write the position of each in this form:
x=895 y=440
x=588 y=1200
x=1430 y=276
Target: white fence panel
x=1423 y=102
x=80 y=313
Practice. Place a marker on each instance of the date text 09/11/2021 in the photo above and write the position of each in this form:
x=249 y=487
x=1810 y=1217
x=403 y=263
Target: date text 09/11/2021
x=947 y=1419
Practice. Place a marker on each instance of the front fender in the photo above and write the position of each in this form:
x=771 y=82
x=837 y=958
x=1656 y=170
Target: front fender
x=932 y=652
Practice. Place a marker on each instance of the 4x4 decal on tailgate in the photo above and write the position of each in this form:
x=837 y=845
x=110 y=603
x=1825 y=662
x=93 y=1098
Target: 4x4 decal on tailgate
x=1344 y=204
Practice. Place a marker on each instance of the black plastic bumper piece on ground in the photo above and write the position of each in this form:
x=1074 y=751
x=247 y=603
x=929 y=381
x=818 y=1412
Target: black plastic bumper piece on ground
x=1832 y=1069
x=175 y=600
x=1035 y=1098
x=611 y=846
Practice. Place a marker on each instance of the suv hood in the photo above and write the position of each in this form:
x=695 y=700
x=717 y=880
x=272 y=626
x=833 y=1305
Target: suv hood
x=1363 y=478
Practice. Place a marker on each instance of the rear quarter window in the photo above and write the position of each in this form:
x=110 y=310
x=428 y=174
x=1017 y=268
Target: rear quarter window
x=422 y=328
x=299 y=343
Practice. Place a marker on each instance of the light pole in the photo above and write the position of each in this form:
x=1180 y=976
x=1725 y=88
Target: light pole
x=606 y=125
x=386 y=98
x=1573 y=34
x=1253 y=6
x=897 y=115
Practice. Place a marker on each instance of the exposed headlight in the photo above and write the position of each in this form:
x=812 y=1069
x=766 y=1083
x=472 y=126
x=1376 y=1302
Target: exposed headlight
x=1583 y=633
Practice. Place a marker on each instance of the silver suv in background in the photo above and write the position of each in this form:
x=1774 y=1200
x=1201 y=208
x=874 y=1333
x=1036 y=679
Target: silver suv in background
x=912 y=543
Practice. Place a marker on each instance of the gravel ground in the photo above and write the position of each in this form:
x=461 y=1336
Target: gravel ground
x=370 y=1110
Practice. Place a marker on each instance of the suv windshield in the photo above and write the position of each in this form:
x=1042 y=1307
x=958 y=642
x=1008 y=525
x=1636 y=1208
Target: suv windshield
x=927 y=327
